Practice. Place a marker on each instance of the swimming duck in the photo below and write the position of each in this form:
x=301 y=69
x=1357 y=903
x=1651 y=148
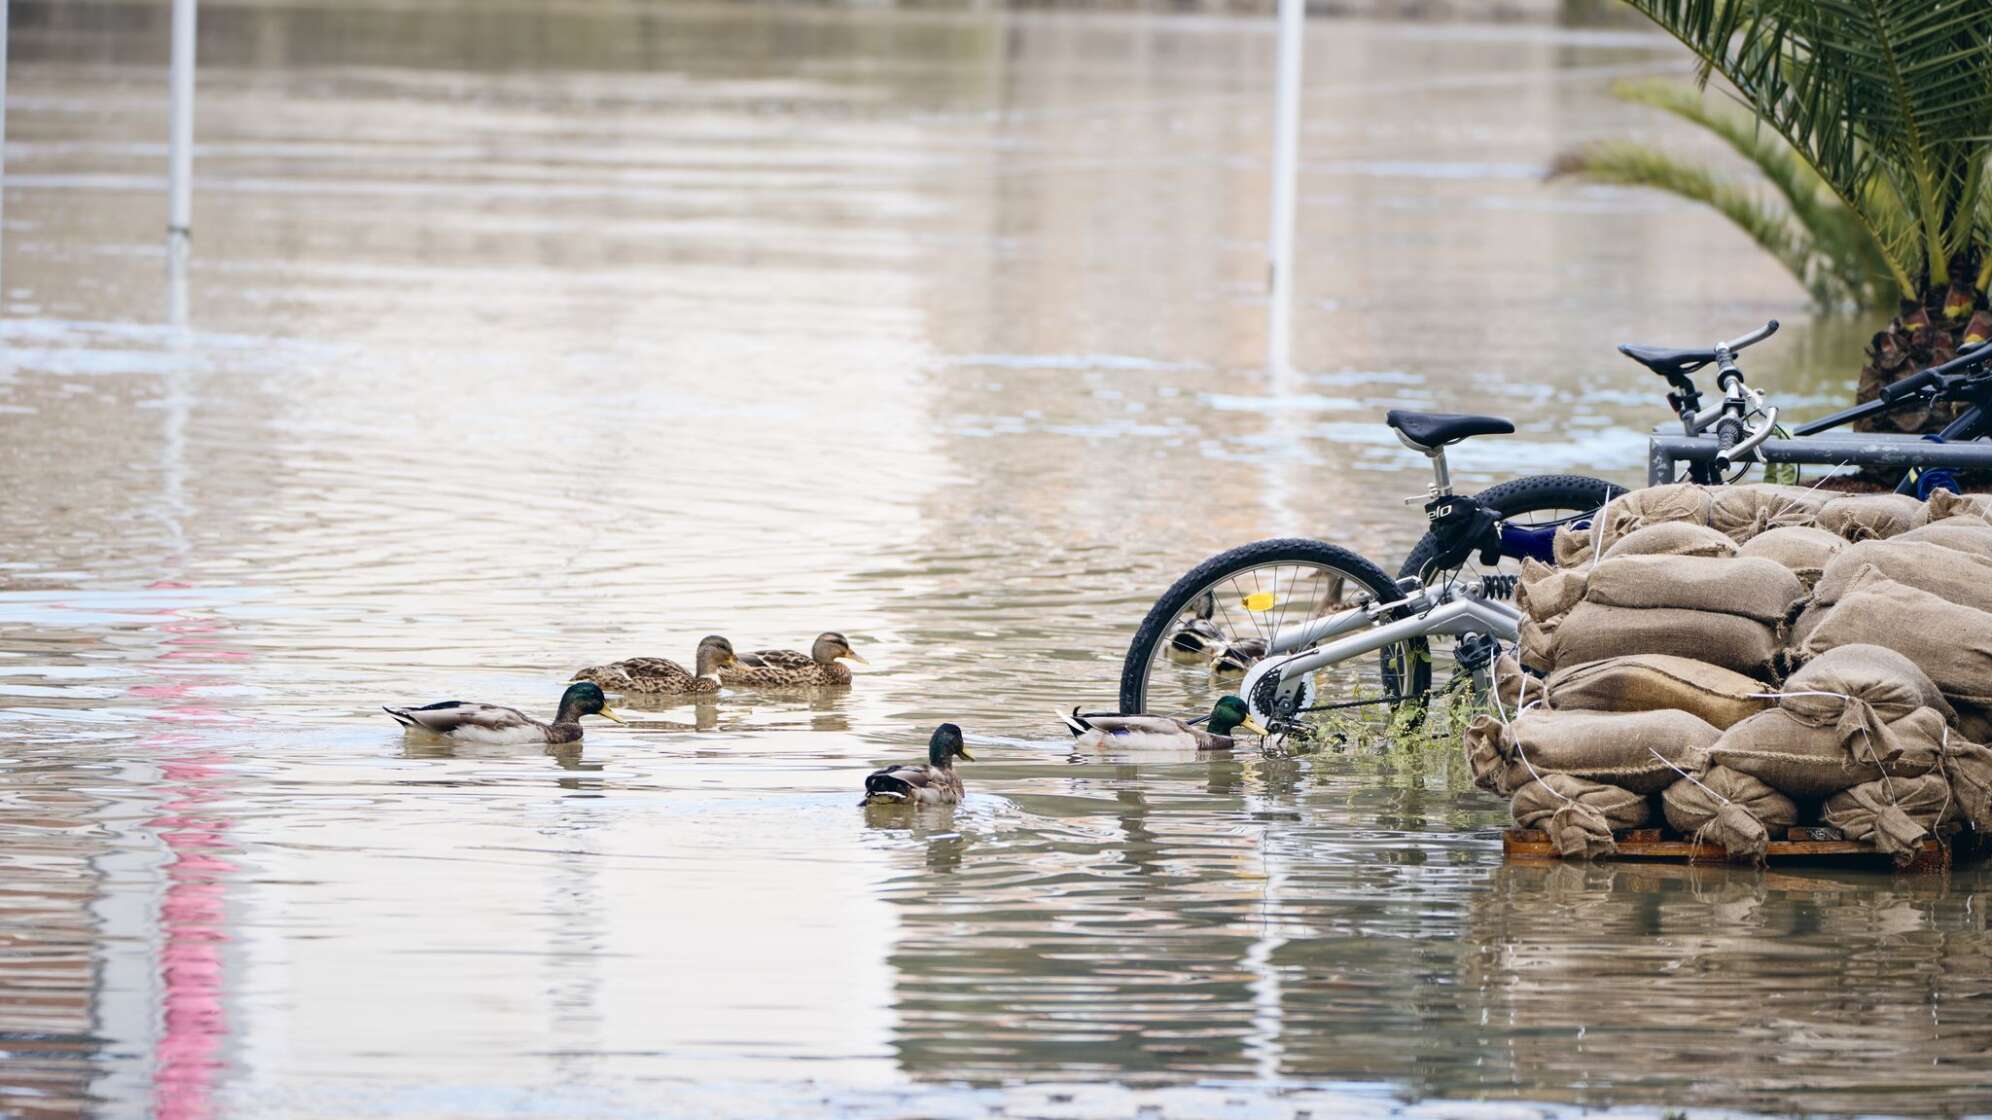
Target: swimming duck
x=466 y=722
x=788 y=668
x=1238 y=656
x=1155 y=732
x=935 y=783
x=662 y=676
x=1195 y=639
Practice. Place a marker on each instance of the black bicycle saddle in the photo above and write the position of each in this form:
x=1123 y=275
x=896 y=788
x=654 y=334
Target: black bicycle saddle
x=1667 y=362
x=1436 y=429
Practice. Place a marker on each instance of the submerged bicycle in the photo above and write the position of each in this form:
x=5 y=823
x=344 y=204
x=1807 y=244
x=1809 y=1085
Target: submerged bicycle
x=1291 y=613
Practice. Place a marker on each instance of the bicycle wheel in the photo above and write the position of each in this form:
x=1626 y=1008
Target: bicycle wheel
x=1538 y=502
x=1246 y=595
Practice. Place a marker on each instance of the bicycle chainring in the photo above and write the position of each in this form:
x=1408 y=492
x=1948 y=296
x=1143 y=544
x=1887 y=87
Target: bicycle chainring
x=1265 y=707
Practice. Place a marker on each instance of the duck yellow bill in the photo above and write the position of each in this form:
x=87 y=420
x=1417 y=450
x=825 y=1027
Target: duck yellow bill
x=851 y=655
x=964 y=753
x=1262 y=601
x=1252 y=725
x=609 y=713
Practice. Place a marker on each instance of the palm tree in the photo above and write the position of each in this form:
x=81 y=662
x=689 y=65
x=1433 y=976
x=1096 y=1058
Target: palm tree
x=1870 y=122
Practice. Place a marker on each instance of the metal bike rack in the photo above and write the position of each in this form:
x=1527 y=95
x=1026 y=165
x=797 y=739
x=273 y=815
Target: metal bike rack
x=1665 y=452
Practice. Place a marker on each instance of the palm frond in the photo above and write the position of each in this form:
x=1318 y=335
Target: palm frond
x=1864 y=90
x=1766 y=220
x=1840 y=241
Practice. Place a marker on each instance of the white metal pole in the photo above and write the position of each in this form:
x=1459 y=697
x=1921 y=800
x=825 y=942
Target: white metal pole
x=180 y=175
x=1286 y=173
x=3 y=132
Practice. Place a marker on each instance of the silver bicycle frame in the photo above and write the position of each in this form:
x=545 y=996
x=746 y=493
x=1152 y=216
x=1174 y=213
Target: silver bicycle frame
x=1453 y=612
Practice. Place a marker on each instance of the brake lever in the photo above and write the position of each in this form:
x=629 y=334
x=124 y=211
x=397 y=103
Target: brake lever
x=1751 y=442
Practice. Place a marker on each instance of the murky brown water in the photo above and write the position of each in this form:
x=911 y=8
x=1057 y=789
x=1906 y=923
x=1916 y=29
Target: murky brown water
x=519 y=337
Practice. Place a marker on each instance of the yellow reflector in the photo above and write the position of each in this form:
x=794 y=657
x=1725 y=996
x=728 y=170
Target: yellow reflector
x=1263 y=601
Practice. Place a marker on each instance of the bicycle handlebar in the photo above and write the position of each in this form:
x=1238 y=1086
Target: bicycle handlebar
x=1750 y=339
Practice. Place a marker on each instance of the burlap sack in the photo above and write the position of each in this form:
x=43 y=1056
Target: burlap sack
x=1833 y=689
x=1647 y=682
x=1950 y=643
x=1673 y=538
x=1807 y=621
x=1488 y=758
x=1925 y=565
x=1535 y=645
x=1512 y=686
x=1596 y=631
x=1895 y=814
x=1571 y=546
x=1742 y=512
x=1973 y=721
x=1681 y=501
x=1728 y=808
x=1801 y=549
x=1756 y=589
x=1860 y=517
x=1800 y=760
x=1968 y=768
x=1944 y=504
x=1546 y=594
x=1640 y=751
x=1579 y=816
x=1966 y=534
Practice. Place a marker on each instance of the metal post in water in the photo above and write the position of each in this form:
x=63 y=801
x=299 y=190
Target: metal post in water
x=3 y=140
x=1286 y=173
x=180 y=173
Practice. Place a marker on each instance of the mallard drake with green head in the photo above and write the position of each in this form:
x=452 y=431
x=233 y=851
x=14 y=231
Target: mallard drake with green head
x=935 y=783
x=789 y=668
x=1158 y=732
x=661 y=676
x=465 y=722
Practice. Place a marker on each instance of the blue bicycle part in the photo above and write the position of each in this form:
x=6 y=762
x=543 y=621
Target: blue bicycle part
x=1532 y=542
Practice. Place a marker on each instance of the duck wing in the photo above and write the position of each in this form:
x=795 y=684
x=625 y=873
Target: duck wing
x=636 y=673
x=452 y=717
x=915 y=783
x=1139 y=725
x=777 y=659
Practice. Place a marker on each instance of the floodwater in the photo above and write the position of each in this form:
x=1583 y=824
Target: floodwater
x=517 y=337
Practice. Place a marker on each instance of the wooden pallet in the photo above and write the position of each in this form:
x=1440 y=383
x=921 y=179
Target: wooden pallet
x=1804 y=843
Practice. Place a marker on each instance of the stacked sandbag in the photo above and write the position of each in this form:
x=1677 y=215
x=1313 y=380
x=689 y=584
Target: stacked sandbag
x=1743 y=513
x=1728 y=611
x=1943 y=505
x=1965 y=534
x=1858 y=714
x=1894 y=814
x=1629 y=512
x=1949 y=642
x=1730 y=809
x=1579 y=816
x=1861 y=517
x=1651 y=655
x=1804 y=550
x=1644 y=682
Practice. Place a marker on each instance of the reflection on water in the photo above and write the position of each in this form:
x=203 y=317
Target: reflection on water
x=525 y=338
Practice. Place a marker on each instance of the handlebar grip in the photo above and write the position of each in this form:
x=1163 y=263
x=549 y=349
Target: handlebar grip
x=1752 y=338
x=1727 y=431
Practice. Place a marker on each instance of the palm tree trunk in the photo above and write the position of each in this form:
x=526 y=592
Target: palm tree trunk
x=1928 y=332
